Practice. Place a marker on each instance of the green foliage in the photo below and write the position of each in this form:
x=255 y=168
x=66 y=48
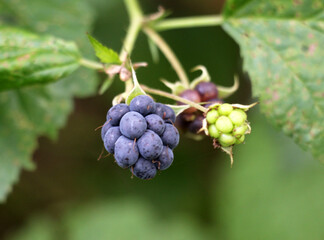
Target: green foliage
x=281 y=45
x=106 y=55
x=28 y=59
x=122 y=219
x=273 y=191
x=41 y=110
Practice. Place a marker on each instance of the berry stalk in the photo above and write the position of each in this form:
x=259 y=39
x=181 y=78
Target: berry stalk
x=174 y=97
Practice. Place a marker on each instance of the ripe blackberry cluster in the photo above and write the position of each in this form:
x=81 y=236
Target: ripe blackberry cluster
x=227 y=125
x=141 y=136
x=191 y=119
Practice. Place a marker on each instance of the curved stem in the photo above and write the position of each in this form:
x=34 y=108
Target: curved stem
x=91 y=64
x=174 y=97
x=136 y=19
x=189 y=22
x=169 y=54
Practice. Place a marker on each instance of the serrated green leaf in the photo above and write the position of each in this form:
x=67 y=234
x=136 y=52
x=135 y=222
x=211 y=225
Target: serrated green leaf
x=136 y=91
x=42 y=110
x=106 y=55
x=28 y=59
x=281 y=42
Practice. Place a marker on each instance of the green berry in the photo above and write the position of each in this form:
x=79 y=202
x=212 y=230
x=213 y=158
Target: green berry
x=240 y=140
x=226 y=140
x=213 y=131
x=242 y=113
x=238 y=131
x=237 y=117
x=225 y=109
x=224 y=124
x=212 y=116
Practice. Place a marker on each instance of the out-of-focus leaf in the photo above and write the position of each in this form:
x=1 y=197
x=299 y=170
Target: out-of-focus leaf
x=106 y=55
x=28 y=59
x=281 y=42
x=37 y=228
x=102 y=220
x=41 y=110
x=108 y=220
x=273 y=191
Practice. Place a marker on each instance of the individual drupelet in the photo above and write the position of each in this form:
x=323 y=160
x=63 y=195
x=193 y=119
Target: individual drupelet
x=170 y=136
x=155 y=123
x=126 y=152
x=144 y=169
x=110 y=139
x=133 y=125
x=150 y=145
x=165 y=112
x=165 y=159
x=104 y=129
x=142 y=104
x=116 y=113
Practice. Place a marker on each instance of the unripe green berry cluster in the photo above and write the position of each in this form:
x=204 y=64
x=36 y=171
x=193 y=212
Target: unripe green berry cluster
x=227 y=125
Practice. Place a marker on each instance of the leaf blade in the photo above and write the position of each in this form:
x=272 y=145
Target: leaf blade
x=105 y=54
x=28 y=59
x=282 y=55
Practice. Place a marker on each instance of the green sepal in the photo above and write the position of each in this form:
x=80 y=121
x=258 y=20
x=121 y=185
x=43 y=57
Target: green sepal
x=176 y=88
x=204 y=76
x=178 y=108
x=224 y=92
x=136 y=91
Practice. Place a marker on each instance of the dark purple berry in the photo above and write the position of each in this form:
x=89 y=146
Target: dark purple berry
x=155 y=123
x=110 y=139
x=133 y=125
x=191 y=95
x=165 y=159
x=170 y=136
x=165 y=112
x=126 y=152
x=207 y=91
x=142 y=104
x=116 y=113
x=144 y=169
x=150 y=145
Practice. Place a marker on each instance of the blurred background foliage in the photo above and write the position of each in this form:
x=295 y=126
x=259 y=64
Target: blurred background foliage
x=274 y=191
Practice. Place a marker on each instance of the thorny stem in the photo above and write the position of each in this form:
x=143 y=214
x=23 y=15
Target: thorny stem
x=174 y=97
x=189 y=22
x=168 y=53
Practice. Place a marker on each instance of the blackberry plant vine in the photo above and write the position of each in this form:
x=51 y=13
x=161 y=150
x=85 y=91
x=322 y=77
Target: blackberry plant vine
x=282 y=67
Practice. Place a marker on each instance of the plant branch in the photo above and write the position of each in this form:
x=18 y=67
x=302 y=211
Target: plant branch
x=188 y=22
x=136 y=20
x=174 y=97
x=169 y=54
x=91 y=64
